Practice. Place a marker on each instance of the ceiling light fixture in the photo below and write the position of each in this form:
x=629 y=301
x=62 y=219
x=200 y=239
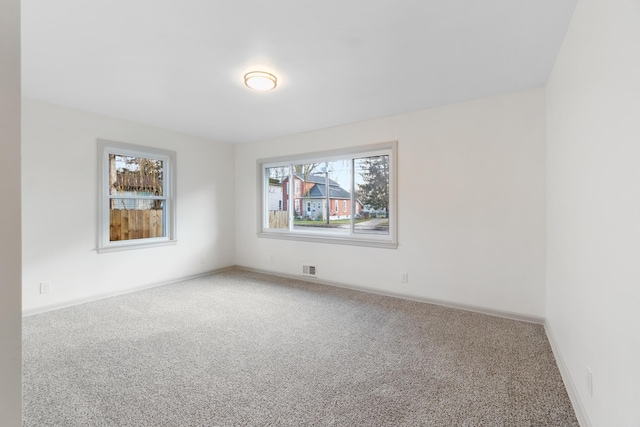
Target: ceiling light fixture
x=260 y=80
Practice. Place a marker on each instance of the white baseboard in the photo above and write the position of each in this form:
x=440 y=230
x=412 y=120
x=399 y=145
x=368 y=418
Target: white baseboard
x=466 y=307
x=569 y=384
x=78 y=301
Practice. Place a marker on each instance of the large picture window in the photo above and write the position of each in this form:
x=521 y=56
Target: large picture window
x=137 y=196
x=344 y=196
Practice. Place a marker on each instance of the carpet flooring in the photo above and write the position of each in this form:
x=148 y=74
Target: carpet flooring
x=247 y=349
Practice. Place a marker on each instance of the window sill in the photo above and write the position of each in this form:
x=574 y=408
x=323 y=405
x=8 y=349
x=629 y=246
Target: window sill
x=337 y=240
x=131 y=246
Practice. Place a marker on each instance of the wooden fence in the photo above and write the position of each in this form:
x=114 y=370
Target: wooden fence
x=278 y=219
x=135 y=224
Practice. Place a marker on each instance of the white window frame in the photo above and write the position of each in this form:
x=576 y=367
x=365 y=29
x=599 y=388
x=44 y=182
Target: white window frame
x=389 y=240
x=106 y=147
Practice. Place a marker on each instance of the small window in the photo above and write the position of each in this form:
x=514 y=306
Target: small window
x=363 y=178
x=137 y=196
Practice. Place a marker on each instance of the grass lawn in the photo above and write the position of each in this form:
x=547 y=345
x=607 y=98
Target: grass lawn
x=332 y=223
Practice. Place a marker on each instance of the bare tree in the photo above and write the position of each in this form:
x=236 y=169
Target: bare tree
x=135 y=174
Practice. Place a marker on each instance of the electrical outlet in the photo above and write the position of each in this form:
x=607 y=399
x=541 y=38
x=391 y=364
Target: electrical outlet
x=404 y=277
x=45 y=287
x=273 y=259
x=590 y=381
x=203 y=260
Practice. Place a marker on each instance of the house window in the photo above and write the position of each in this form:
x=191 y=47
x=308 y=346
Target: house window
x=364 y=178
x=136 y=196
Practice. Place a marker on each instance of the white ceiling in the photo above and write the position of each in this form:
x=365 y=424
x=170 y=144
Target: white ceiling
x=178 y=64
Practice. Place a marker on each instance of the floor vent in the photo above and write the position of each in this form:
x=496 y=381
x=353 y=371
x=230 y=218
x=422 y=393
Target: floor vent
x=309 y=270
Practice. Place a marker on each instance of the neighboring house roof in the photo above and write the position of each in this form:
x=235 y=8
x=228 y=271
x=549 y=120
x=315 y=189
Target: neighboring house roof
x=335 y=192
x=316 y=179
x=319 y=189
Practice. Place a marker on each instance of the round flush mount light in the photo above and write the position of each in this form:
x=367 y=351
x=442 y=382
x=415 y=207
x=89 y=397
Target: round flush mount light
x=260 y=80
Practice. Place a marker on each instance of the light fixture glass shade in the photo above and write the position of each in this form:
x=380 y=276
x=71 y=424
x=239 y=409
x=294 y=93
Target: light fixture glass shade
x=260 y=80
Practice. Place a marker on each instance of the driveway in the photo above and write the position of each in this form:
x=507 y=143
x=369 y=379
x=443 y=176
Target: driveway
x=370 y=224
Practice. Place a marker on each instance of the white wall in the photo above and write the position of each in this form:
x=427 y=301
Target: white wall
x=10 y=269
x=593 y=161
x=471 y=206
x=59 y=181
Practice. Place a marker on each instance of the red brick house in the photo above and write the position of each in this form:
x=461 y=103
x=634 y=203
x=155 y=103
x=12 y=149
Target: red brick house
x=310 y=198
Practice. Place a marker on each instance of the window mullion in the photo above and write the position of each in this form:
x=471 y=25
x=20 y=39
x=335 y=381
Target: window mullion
x=292 y=196
x=352 y=198
x=130 y=196
x=265 y=198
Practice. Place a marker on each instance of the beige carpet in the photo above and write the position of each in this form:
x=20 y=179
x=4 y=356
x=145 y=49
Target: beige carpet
x=245 y=349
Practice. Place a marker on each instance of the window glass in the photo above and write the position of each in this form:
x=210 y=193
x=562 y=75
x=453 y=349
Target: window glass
x=141 y=217
x=278 y=181
x=372 y=189
x=132 y=175
x=313 y=180
x=136 y=219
